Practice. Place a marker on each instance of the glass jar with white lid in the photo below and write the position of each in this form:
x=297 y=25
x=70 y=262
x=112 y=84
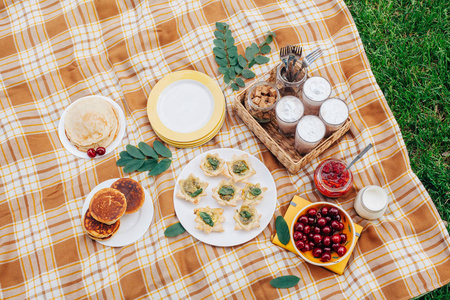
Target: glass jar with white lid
x=371 y=202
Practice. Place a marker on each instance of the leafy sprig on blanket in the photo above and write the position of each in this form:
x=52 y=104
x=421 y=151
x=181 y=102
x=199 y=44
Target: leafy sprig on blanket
x=233 y=65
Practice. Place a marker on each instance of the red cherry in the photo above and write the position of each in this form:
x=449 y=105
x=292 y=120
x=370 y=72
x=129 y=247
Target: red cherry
x=100 y=151
x=311 y=236
x=326 y=256
x=307 y=229
x=299 y=226
x=311 y=220
x=337 y=217
x=326 y=249
x=335 y=246
x=91 y=153
x=326 y=230
x=321 y=222
x=326 y=241
x=335 y=225
x=304 y=238
x=341 y=226
x=303 y=219
x=343 y=238
x=317 y=252
x=333 y=211
x=299 y=244
x=317 y=230
x=328 y=219
x=317 y=238
x=297 y=235
x=341 y=251
x=324 y=211
x=336 y=239
x=311 y=245
x=307 y=247
x=312 y=212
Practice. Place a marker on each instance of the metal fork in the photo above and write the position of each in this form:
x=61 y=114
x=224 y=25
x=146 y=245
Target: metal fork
x=297 y=53
x=310 y=58
x=284 y=54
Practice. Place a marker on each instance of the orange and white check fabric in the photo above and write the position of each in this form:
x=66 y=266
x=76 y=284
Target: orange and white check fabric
x=54 y=52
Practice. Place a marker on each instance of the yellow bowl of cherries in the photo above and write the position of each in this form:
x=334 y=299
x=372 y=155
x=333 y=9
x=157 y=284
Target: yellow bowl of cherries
x=323 y=233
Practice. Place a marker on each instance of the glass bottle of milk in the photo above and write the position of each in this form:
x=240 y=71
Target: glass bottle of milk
x=371 y=202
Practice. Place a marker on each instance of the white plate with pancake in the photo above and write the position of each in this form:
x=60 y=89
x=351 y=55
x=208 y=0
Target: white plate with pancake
x=132 y=226
x=230 y=237
x=83 y=154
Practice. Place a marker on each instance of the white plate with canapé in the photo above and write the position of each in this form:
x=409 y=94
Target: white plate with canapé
x=229 y=237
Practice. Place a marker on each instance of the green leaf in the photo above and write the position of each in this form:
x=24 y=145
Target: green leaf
x=249 y=54
x=174 y=230
x=238 y=69
x=221 y=62
x=282 y=230
x=233 y=61
x=220 y=26
x=242 y=61
x=255 y=191
x=133 y=165
x=161 y=149
x=235 y=87
x=254 y=48
x=213 y=162
x=206 y=218
x=240 y=82
x=196 y=193
x=226 y=78
x=225 y=191
x=223 y=70
x=265 y=49
x=147 y=150
x=219 y=43
x=135 y=152
x=229 y=42
x=233 y=51
x=284 y=282
x=248 y=74
x=261 y=59
x=148 y=165
x=232 y=73
x=219 y=35
x=124 y=154
x=245 y=214
x=160 y=167
x=250 y=64
x=219 y=52
x=269 y=39
x=121 y=162
x=228 y=34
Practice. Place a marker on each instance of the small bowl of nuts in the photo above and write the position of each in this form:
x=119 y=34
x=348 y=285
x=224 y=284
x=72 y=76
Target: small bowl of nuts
x=261 y=101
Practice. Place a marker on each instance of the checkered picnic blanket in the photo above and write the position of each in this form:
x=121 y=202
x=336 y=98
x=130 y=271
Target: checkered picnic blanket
x=54 y=52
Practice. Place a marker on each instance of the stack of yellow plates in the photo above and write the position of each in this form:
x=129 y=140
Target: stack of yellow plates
x=186 y=109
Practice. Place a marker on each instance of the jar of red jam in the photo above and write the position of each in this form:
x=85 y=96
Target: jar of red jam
x=331 y=180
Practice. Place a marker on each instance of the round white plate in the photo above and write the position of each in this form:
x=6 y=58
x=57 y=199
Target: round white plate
x=132 y=226
x=72 y=149
x=185 y=106
x=230 y=237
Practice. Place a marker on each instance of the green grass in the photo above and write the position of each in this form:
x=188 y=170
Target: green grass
x=408 y=46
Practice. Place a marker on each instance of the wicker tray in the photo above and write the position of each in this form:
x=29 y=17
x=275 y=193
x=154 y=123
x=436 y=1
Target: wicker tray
x=281 y=146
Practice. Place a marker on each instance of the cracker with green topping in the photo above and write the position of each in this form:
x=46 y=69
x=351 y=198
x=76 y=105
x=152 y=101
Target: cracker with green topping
x=209 y=219
x=246 y=217
x=240 y=168
x=226 y=193
x=253 y=193
x=212 y=165
x=192 y=189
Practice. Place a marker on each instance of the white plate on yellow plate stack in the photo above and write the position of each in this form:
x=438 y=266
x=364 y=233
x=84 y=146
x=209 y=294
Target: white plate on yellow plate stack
x=186 y=109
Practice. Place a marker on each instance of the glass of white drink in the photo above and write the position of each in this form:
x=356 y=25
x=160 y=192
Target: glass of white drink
x=288 y=112
x=333 y=112
x=309 y=133
x=316 y=90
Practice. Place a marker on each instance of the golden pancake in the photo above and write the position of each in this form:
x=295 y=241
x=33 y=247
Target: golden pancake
x=97 y=230
x=133 y=191
x=91 y=123
x=108 y=205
